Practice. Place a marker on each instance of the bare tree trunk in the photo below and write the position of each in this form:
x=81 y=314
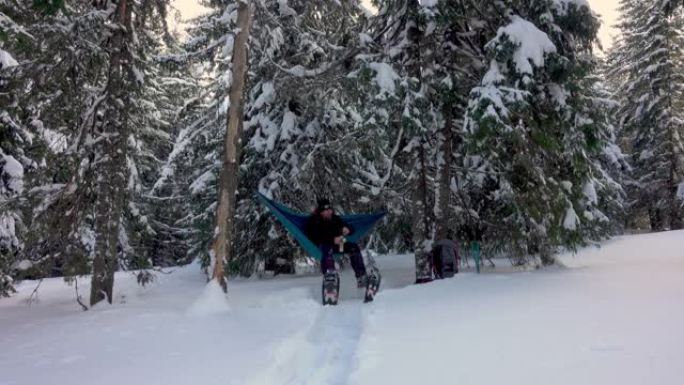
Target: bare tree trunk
x=225 y=212
x=444 y=187
x=421 y=224
x=112 y=175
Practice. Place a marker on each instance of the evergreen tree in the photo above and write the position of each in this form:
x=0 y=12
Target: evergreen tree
x=296 y=118
x=91 y=91
x=482 y=119
x=435 y=50
x=149 y=224
x=533 y=129
x=19 y=144
x=646 y=64
x=11 y=176
x=403 y=26
x=123 y=110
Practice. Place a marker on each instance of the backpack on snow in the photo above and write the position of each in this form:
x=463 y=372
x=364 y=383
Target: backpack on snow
x=445 y=259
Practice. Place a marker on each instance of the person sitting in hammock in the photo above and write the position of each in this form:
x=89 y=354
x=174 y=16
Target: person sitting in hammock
x=327 y=230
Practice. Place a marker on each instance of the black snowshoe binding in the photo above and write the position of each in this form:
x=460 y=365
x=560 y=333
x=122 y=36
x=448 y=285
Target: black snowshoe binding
x=331 y=288
x=373 y=284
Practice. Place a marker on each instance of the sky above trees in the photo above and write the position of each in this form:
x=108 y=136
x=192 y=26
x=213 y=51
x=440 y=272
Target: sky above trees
x=606 y=8
x=609 y=13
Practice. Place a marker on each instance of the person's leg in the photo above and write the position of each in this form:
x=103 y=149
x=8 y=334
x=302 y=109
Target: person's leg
x=327 y=259
x=356 y=258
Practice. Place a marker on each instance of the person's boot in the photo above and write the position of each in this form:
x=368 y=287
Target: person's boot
x=362 y=281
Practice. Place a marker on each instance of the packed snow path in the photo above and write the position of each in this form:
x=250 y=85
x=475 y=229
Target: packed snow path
x=611 y=316
x=322 y=354
x=326 y=350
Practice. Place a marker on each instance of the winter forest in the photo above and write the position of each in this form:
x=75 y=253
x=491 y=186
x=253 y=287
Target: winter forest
x=125 y=147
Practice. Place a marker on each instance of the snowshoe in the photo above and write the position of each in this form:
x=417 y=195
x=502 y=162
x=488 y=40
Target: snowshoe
x=373 y=285
x=331 y=288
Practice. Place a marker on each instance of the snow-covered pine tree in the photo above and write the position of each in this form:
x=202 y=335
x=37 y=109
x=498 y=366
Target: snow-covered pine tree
x=435 y=61
x=162 y=196
x=18 y=141
x=128 y=116
x=110 y=150
x=296 y=117
x=605 y=195
x=88 y=92
x=647 y=64
x=11 y=176
x=456 y=58
x=11 y=185
x=56 y=92
x=305 y=125
x=402 y=26
x=191 y=168
x=532 y=127
x=150 y=234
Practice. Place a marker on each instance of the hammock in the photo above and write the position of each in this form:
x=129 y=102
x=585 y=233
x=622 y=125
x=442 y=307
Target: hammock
x=295 y=223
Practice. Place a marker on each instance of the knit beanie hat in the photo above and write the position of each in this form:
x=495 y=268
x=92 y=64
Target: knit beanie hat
x=323 y=204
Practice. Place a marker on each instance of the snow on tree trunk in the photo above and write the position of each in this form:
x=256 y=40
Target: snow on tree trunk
x=223 y=235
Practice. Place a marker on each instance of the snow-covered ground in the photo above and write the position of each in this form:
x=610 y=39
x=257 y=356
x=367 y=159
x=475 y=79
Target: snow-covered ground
x=611 y=316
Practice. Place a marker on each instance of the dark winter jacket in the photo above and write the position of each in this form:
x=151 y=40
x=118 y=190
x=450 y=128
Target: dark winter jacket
x=324 y=231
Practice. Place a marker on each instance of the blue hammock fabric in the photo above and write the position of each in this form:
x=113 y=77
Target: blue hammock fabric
x=295 y=223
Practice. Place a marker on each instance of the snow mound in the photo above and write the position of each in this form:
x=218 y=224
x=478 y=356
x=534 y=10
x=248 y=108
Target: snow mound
x=612 y=315
x=211 y=301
